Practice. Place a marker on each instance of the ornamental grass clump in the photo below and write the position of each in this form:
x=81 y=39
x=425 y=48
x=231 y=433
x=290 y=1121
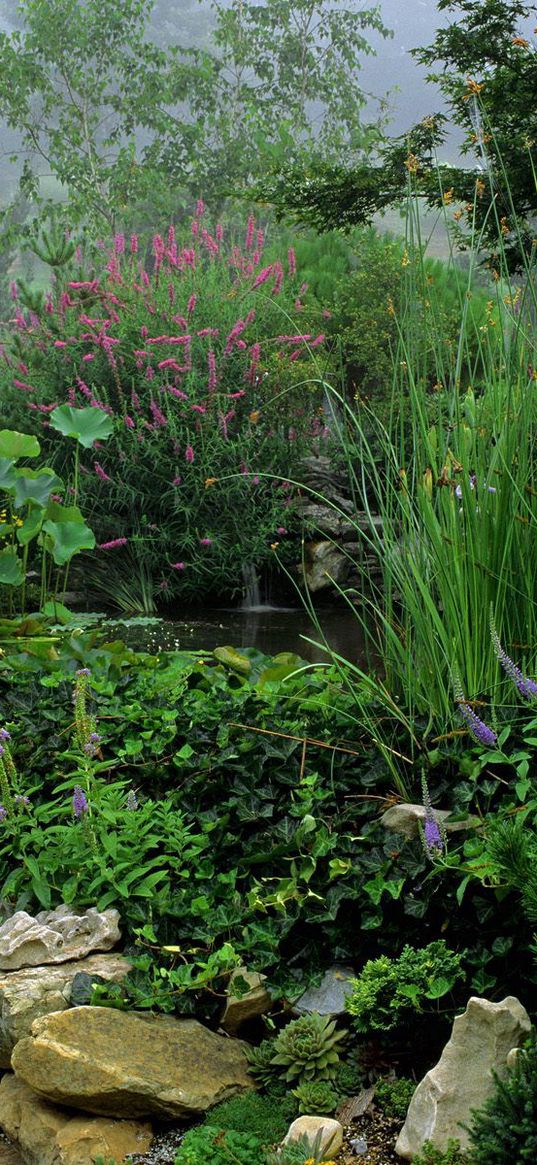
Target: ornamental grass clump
x=306 y=1048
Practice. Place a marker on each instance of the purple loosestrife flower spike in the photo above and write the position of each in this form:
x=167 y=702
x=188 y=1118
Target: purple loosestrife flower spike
x=526 y=687
x=80 y=803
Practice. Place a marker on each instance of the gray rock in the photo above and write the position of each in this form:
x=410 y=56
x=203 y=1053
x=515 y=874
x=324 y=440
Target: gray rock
x=331 y=1133
x=406 y=819
x=359 y=1146
x=480 y=1042
x=325 y=564
x=329 y=997
x=34 y=991
x=55 y=936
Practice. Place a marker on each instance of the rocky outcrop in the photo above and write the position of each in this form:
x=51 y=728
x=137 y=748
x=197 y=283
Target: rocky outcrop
x=462 y=1080
x=34 y=991
x=46 y=1135
x=116 y=1063
x=251 y=999
x=55 y=936
x=331 y=1133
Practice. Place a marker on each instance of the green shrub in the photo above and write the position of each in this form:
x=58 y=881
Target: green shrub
x=390 y=991
x=504 y=1131
x=394 y=1096
x=316 y=1096
x=209 y=1143
x=452 y=1155
x=265 y=1117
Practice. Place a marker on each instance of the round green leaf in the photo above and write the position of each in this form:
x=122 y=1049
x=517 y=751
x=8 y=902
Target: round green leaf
x=30 y=527
x=7 y=473
x=15 y=445
x=84 y=425
x=35 y=485
x=64 y=539
x=11 y=573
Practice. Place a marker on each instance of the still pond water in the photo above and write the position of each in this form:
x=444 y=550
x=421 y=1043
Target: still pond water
x=270 y=629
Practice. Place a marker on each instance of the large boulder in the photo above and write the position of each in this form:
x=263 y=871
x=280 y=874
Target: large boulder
x=45 y=1135
x=480 y=1042
x=34 y=991
x=55 y=936
x=118 y=1063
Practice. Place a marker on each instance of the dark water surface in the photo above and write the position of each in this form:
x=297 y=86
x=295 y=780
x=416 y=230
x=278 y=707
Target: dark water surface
x=270 y=629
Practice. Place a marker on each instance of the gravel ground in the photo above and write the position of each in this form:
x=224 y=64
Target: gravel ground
x=163 y=1149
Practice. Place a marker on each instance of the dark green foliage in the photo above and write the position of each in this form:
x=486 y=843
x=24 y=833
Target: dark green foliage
x=505 y=1129
x=209 y=1143
x=265 y=1117
x=260 y=1064
x=316 y=1096
x=351 y=1075
x=452 y=1155
x=394 y=1096
x=306 y=1048
x=391 y=991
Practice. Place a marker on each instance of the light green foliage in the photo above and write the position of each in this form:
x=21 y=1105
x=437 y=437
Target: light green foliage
x=265 y=1117
x=316 y=1096
x=505 y=1129
x=306 y=1048
x=394 y=1096
x=209 y=1143
x=389 y=992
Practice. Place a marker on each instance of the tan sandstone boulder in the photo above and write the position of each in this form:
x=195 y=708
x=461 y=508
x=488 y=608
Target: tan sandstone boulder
x=34 y=991
x=254 y=999
x=56 y=936
x=480 y=1042
x=118 y=1063
x=329 y=1131
x=45 y=1135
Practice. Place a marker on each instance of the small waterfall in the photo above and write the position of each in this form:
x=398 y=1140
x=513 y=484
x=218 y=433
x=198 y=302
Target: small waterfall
x=252 y=594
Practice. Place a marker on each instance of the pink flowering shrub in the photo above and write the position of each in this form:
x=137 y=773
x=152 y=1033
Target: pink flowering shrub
x=205 y=353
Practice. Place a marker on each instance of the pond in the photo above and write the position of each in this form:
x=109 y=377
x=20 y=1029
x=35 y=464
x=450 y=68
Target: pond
x=269 y=629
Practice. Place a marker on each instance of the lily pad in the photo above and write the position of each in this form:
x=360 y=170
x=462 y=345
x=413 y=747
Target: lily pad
x=84 y=425
x=14 y=445
x=65 y=539
x=233 y=659
x=11 y=572
x=34 y=485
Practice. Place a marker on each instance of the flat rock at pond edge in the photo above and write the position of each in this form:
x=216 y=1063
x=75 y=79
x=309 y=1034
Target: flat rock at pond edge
x=128 y=1064
x=56 y=936
x=462 y=1080
x=34 y=991
x=46 y=1135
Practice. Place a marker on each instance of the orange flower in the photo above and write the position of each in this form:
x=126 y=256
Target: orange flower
x=274 y=545
x=254 y=417
x=473 y=89
x=447 y=196
x=412 y=164
x=521 y=40
x=209 y=481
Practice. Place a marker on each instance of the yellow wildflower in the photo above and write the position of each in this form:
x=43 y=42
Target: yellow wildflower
x=473 y=89
x=504 y=226
x=391 y=309
x=254 y=417
x=209 y=481
x=274 y=545
x=479 y=187
x=447 y=196
x=412 y=164
x=405 y=260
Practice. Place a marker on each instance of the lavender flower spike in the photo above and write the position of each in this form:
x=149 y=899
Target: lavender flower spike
x=80 y=803
x=526 y=687
x=434 y=839
x=480 y=731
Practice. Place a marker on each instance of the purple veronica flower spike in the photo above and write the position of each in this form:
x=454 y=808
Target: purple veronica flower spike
x=434 y=839
x=80 y=803
x=4 y=734
x=3 y=813
x=478 y=729
x=526 y=687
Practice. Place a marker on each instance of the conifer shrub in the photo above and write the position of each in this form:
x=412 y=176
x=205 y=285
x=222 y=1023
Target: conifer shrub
x=504 y=1131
